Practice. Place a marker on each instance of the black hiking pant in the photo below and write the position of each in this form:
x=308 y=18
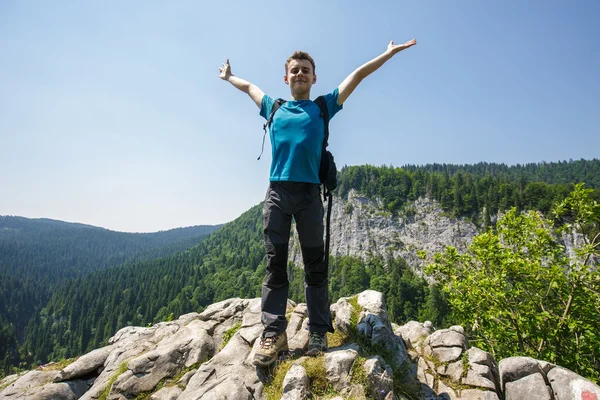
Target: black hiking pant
x=302 y=201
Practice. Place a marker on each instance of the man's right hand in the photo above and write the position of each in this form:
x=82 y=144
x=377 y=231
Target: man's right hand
x=253 y=91
x=225 y=71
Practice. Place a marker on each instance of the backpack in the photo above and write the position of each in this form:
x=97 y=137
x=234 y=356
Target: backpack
x=327 y=168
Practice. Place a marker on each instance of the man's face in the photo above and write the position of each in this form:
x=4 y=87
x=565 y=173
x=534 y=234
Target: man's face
x=300 y=76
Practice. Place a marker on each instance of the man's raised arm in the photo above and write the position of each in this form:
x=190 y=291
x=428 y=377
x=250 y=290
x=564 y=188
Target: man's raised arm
x=252 y=90
x=351 y=82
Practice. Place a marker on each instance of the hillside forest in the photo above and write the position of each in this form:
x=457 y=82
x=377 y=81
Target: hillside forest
x=64 y=294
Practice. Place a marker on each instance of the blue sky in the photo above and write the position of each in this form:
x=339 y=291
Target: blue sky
x=112 y=113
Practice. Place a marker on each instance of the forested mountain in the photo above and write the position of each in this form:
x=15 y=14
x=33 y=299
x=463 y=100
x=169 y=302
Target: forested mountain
x=38 y=255
x=471 y=190
x=86 y=311
x=587 y=171
x=56 y=250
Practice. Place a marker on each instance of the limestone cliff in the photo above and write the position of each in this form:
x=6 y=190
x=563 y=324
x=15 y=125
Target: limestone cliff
x=360 y=227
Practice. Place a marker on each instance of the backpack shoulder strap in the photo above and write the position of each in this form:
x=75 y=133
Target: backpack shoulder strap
x=325 y=115
x=278 y=103
x=326 y=194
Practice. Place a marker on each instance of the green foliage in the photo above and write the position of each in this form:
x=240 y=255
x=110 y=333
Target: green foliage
x=476 y=191
x=355 y=312
x=358 y=376
x=274 y=388
x=39 y=255
x=317 y=376
x=57 y=366
x=519 y=294
x=229 y=333
x=122 y=368
x=84 y=313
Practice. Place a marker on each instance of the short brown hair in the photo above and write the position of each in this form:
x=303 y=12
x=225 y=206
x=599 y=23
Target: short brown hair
x=300 y=55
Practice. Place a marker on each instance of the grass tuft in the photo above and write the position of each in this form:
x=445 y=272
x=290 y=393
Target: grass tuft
x=122 y=368
x=317 y=376
x=57 y=366
x=274 y=389
x=229 y=334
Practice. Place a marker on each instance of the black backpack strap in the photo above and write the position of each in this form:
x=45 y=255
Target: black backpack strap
x=327 y=228
x=276 y=106
x=326 y=194
x=325 y=115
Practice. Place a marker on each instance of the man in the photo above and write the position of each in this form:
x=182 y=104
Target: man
x=297 y=133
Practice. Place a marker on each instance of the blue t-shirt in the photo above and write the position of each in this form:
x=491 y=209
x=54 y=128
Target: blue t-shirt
x=297 y=132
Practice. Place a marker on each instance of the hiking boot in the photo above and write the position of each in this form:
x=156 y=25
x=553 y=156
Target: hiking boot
x=317 y=343
x=270 y=349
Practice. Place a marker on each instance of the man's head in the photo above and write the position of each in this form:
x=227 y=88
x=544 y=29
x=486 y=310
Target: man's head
x=300 y=74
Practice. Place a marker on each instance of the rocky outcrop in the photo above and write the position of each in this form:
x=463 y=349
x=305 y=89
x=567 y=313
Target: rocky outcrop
x=360 y=226
x=454 y=370
x=208 y=356
x=189 y=359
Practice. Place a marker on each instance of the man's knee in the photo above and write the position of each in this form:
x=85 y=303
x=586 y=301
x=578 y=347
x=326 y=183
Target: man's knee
x=312 y=256
x=316 y=278
x=276 y=279
x=277 y=255
x=315 y=269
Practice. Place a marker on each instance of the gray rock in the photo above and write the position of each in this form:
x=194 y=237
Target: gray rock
x=445 y=345
x=299 y=343
x=483 y=371
x=474 y=394
x=414 y=333
x=567 y=385
x=380 y=380
x=223 y=310
x=446 y=392
x=515 y=368
x=530 y=387
x=167 y=393
x=425 y=372
x=229 y=374
x=546 y=366
x=296 y=319
x=354 y=392
x=372 y=301
x=447 y=338
x=188 y=346
x=29 y=383
x=338 y=365
x=85 y=364
x=457 y=329
x=295 y=384
x=378 y=331
x=230 y=388
x=251 y=315
x=56 y=391
x=444 y=354
x=186 y=378
x=453 y=370
x=343 y=313
x=478 y=370
x=477 y=376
